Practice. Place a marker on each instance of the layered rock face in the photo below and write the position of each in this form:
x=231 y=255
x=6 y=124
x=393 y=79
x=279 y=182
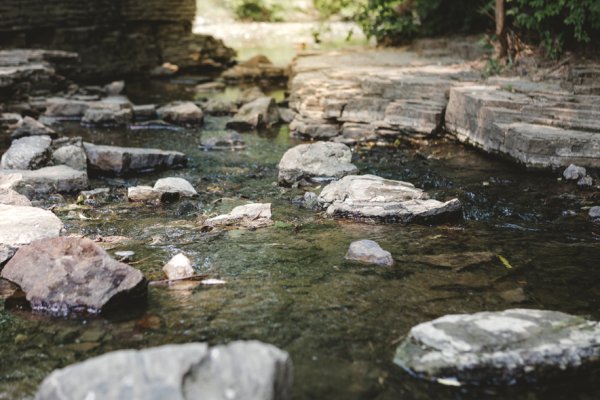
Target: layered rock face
x=113 y=37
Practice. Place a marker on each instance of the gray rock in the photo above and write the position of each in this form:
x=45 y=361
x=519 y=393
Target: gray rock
x=21 y=225
x=144 y=111
x=63 y=108
x=318 y=161
x=31 y=127
x=249 y=95
x=72 y=156
x=260 y=113
x=369 y=252
x=125 y=255
x=499 y=347
x=286 y=115
x=178 y=267
x=106 y=114
x=175 y=185
x=255 y=215
x=574 y=172
x=12 y=198
x=125 y=160
x=210 y=87
x=237 y=371
x=219 y=107
x=143 y=193
x=30 y=152
x=67 y=275
x=94 y=195
x=184 y=113
x=227 y=141
x=594 y=213
x=59 y=178
x=114 y=88
x=154 y=124
x=256 y=69
x=369 y=197
x=586 y=181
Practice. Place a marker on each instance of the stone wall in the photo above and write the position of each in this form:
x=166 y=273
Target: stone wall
x=113 y=37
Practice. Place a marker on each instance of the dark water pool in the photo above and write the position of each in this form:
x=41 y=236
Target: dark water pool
x=289 y=284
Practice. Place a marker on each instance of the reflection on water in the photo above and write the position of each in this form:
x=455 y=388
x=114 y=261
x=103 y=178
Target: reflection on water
x=289 y=284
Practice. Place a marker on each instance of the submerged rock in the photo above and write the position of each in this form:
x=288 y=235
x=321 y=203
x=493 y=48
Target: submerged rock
x=318 y=161
x=178 y=267
x=72 y=275
x=228 y=141
x=260 y=113
x=31 y=127
x=143 y=193
x=185 y=113
x=574 y=173
x=370 y=252
x=242 y=370
x=373 y=198
x=59 y=178
x=501 y=347
x=175 y=185
x=124 y=160
x=30 y=152
x=21 y=225
x=255 y=215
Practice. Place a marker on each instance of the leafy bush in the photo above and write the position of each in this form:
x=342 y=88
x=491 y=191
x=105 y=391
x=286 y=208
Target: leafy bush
x=256 y=10
x=556 y=24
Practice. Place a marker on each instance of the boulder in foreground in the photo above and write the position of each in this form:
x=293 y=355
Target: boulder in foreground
x=316 y=161
x=369 y=197
x=499 y=347
x=21 y=225
x=66 y=275
x=242 y=370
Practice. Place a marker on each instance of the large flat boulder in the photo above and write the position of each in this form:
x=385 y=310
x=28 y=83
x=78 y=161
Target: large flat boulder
x=369 y=197
x=30 y=152
x=536 y=124
x=500 y=347
x=125 y=160
x=317 y=161
x=67 y=275
x=21 y=225
x=240 y=370
x=59 y=178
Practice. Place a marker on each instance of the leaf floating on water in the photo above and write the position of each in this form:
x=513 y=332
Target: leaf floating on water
x=504 y=261
x=449 y=382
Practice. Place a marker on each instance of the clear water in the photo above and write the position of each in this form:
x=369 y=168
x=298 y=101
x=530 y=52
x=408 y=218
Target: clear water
x=289 y=284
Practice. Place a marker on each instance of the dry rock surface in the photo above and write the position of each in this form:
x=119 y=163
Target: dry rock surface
x=178 y=267
x=241 y=370
x=67 y=275
x=499 y=347
x=255 y=215
x=259 y=113
x=125 y=160
x=369 y=197
x=23 y=224
x=320 y=161
x=184 y=113
x=59 y=178
x=368 y=251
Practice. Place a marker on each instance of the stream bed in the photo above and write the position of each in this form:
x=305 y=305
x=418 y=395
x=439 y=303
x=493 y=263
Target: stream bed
x=289 y=284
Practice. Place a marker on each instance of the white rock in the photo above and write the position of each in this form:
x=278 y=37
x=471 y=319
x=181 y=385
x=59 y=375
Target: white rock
x=179 y=267
x=175 y=185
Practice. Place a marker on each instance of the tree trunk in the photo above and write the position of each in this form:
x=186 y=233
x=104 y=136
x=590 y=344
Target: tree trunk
x=502 y=47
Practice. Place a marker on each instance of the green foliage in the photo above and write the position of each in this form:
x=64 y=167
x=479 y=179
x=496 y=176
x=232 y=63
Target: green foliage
x=256 y=10
x=556 y=23
x=397 y=21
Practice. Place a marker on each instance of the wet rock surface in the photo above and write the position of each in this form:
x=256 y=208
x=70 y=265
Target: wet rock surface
x=31 y=127
x=368 y=251
x=175 y=185
x=178 y=267
x=501 y=347
x=317 y=161
x=185 y=113
x=238 y=370
x=70 y=275
x=23 y=224
x=370 y=197
x=125 y=160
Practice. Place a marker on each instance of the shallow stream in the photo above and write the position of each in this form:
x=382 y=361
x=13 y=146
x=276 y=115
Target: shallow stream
x=289 y=284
